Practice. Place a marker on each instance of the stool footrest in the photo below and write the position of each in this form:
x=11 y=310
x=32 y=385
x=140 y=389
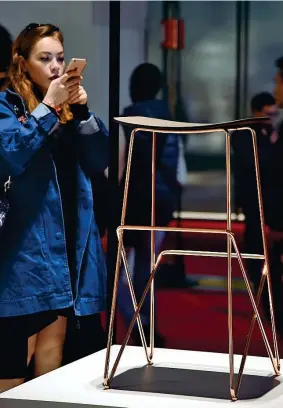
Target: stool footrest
x=174 y=229
x=208 y=253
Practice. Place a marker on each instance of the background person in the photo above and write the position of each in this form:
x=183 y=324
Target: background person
x=145 y=83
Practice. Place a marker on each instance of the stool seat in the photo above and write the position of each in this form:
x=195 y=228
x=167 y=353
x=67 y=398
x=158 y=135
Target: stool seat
x=167 y=126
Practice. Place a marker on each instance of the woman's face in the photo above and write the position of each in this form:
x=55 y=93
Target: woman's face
x=46 y=62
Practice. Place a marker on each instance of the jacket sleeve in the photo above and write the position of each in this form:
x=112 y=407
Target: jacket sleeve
x=93 y=144
x=20 y=141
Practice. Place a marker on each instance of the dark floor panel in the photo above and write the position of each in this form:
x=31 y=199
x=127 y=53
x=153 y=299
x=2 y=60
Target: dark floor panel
x=15 y=403
x=195 y=383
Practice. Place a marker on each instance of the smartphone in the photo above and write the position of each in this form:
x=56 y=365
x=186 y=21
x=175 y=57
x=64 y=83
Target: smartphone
x=76 y=63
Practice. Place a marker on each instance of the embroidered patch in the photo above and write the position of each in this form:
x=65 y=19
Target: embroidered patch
x=22 y=119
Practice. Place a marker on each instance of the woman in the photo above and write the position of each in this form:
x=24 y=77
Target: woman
x=51 y=260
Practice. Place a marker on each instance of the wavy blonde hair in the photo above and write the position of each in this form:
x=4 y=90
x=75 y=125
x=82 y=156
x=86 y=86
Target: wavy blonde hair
x=18 y=79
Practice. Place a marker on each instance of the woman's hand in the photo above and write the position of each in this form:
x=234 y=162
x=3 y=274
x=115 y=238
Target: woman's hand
x=61 y=88
x=78 y=96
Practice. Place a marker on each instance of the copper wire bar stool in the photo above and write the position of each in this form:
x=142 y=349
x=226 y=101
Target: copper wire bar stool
x=163 y=126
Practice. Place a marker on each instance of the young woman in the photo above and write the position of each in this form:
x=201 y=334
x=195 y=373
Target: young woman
x=51 y=260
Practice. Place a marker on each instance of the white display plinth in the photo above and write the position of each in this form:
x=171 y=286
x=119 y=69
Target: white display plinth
x=177 y=379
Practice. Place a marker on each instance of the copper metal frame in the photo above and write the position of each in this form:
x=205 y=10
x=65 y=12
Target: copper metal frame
x=275 y=360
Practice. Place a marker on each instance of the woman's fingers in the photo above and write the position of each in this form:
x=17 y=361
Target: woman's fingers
x=76 y=95
x=73 y=82
x=74 y=98
x=74 y=91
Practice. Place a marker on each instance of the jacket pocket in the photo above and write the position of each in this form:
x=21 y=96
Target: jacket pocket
x=28 y=273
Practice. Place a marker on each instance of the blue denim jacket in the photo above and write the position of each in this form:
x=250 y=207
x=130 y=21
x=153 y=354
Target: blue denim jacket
x=34 y=272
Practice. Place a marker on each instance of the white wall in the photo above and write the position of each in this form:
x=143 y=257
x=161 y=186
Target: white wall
x=85 y=26
x=208 y=63
x=133 y=25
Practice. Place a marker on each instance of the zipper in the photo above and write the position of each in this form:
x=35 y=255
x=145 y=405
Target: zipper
x=79 y=269
x=64 y=236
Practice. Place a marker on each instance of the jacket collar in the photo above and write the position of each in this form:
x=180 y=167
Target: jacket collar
x=15 y=98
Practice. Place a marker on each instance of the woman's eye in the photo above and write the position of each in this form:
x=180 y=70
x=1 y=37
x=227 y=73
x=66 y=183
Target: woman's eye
x=61 y=60
x=44 y=59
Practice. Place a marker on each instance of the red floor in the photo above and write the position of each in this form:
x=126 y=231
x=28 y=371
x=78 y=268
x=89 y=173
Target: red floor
x=197 y=320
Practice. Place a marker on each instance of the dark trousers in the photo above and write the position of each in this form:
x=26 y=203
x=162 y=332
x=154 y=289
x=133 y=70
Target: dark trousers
x=83 y=337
